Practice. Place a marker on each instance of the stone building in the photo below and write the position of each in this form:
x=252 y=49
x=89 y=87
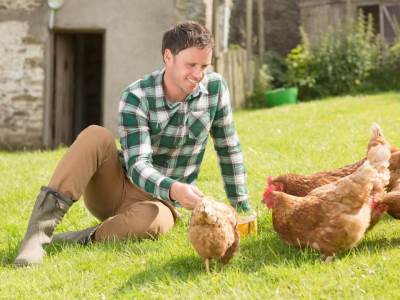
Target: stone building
x=318 y=15
x=63 y=69
x=281 y=24
x=282 y=19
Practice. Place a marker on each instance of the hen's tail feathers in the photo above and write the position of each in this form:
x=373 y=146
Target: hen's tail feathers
x=379 y=153
x=376 y=130
x=363 y=175
x=379 y=157
x=377 y=137
x=375 y=168
x=230 y=252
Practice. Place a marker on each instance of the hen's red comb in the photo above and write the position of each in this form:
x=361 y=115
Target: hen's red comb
x=270 y=187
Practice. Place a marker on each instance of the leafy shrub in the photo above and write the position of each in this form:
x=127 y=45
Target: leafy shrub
x=386 y=75
x=262 y=84
x=347 y=59
x=337 y=64
x=277 y=68
x=301 y=66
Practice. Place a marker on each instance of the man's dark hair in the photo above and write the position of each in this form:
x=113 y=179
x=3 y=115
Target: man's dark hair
x=186 y=35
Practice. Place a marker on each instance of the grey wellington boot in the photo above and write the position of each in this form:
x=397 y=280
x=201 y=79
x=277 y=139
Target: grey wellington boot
x=83 y=237
x=49 y=209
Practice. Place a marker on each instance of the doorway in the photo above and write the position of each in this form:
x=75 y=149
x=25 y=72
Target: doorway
x=77 y=88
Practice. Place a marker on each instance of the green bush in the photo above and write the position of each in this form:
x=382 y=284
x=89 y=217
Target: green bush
x=262 y=84
x=337 y=64
x=277 y=68
x=386 y=75
x=301 y=67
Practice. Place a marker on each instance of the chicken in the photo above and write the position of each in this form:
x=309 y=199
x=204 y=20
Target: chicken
x=335 y=216
x=301 y=185
x=213 y=231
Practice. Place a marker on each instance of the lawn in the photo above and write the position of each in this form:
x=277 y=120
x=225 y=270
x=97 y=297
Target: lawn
x=303 y=138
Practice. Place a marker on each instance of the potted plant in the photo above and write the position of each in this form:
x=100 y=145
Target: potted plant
x=281 y=96
x=283 y=93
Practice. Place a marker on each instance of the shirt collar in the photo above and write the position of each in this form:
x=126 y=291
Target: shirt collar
x=201 y=88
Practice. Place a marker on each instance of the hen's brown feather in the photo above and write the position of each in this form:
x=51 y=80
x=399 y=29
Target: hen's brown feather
x=230 y=252
x=335 y=216
x=392 y=199
x=301 y=185
x=331 y=218
x=213 y=230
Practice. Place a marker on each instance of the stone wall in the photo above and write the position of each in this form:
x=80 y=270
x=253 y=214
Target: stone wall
x=21 y=82
x=191 y=10
x=201 y=11
x=20 y=4
x=24 y=47
x=318 y=16
x=282 y=20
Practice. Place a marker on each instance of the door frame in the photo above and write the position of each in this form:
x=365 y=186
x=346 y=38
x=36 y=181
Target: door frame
x=49 y=53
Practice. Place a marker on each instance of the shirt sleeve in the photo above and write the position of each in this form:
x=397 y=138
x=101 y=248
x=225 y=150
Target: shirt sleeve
x=227 y=146
x=136 y=147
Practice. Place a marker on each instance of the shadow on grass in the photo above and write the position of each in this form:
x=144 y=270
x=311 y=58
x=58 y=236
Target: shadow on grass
x=7 y=257
x=180 y=268
x=268 y=249
x=377 y=244
x=255 y=252
x=9 y=249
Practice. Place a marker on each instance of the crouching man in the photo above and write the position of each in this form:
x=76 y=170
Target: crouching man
x=165 y=120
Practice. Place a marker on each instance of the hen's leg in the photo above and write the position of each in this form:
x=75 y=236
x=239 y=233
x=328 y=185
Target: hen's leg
x=207 y=263
x=328 y=259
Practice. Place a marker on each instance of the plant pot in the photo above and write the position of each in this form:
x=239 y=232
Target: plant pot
x=281 y=96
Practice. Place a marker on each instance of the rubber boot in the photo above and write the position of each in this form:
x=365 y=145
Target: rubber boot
x=83 y=237
x=49 y=209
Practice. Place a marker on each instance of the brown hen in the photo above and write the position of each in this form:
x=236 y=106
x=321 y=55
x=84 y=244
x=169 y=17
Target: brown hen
x=213 y=231
x=301 y=185
x=335 y=216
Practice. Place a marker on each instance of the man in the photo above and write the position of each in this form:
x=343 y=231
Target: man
x=165 y=120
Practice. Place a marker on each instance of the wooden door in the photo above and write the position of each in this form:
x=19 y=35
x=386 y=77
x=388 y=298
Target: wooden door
x=64 y=61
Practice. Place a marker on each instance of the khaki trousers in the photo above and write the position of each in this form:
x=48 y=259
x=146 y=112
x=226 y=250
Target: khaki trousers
x=91 y=167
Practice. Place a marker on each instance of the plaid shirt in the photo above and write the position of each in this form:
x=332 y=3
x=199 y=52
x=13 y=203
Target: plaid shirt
x=163 y=142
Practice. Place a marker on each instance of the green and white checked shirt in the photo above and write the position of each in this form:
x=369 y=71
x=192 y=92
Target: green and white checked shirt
x=163 y=142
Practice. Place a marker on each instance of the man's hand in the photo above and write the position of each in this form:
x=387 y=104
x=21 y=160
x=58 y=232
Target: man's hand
x=186 y=194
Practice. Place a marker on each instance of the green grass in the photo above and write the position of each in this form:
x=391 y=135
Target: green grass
x=304 y=138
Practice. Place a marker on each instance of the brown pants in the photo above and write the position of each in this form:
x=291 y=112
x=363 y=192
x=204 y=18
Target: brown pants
x=91 y=167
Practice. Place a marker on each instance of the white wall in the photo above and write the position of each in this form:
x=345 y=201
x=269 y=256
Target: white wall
x=133 y=33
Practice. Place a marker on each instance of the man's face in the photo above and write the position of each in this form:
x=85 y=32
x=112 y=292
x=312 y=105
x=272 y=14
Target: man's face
x=186 y=69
